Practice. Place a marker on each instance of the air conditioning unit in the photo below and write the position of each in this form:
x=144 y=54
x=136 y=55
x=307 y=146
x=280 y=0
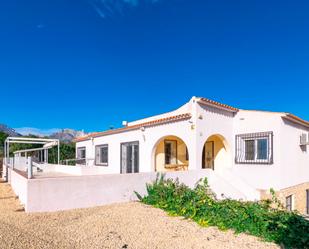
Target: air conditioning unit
x=304 y=139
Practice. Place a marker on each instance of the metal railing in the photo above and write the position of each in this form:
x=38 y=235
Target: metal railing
x=20 y=164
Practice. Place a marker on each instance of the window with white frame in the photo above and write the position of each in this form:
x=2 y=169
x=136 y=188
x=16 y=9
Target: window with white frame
x=254 y=148
x=81 y=153
x=101 y=155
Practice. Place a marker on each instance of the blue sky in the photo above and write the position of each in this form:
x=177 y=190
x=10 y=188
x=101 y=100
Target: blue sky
x=89 y=64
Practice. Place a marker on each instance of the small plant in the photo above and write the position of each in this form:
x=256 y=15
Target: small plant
x=274 y=199
x=255 y=218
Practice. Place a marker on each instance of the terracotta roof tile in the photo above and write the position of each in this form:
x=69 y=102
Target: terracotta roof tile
x=134 y=127
x=296 y=119
x=214 y=103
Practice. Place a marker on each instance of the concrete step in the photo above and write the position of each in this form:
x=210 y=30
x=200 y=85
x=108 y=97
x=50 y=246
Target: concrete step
x=250 y=193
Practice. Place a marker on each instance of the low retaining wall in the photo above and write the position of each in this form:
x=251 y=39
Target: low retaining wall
x=61 y=193
x=19 y=185
x=75 y=191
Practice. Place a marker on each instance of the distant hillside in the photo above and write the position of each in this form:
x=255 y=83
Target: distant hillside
x=8 y=130
x=67 y=135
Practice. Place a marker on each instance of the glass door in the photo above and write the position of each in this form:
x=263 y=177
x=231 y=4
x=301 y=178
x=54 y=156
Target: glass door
x=210 y=160
x=208 y=156
x=129 y=157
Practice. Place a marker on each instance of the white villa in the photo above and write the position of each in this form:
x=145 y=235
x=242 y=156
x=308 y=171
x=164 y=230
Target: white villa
x=252 y=151
x=242 y=153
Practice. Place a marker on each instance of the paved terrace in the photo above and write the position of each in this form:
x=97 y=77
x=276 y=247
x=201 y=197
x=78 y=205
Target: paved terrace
x=40 y=175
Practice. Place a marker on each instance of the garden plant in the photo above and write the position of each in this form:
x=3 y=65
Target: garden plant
x=265 y=219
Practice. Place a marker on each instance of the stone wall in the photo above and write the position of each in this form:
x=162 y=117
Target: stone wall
x=299 y=196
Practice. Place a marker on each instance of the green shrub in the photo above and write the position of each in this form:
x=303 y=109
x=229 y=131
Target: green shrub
x=255 y=218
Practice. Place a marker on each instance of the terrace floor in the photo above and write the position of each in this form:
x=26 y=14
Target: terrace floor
x=129 y=225
x=39 y=175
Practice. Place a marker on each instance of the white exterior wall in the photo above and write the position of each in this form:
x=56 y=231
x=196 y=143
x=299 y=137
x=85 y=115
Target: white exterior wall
x=186 y=108
x=260 y=176
x=212 y=121
x=294 y=158
x=290 y=164
x=147 y=139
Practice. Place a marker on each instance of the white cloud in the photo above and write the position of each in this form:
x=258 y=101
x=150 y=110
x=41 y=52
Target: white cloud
x=105 y=8
x=35 y=131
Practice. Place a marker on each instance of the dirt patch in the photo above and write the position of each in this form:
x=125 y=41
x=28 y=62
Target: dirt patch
x=128 y=225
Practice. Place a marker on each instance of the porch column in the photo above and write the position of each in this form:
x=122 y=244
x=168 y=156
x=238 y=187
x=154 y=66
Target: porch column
x=195 y=159
x=29 y=166
x=45 y=156
x=195 y=156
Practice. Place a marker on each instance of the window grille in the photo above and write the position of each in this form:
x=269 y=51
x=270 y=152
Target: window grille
x=254 y=148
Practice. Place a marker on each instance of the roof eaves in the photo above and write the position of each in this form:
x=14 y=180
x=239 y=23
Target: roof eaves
x=293 y=118
x=205 y=101
x=176 y=118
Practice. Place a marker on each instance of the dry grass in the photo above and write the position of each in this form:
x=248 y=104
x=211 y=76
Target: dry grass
x=129 y=225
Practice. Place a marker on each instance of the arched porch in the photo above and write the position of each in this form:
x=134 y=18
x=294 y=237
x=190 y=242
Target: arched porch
x=170 y=154
x=216 y=153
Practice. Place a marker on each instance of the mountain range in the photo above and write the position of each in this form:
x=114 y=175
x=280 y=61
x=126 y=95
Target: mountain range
x=64 y=135
x=8 y=130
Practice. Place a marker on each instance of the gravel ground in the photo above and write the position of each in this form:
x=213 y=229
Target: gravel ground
x=128 y=225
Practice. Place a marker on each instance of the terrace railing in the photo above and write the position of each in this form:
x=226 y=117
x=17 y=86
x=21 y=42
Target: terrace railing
x=24 y=165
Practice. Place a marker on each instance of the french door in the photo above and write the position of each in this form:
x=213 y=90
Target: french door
x=129 y=157
x=208 y=160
